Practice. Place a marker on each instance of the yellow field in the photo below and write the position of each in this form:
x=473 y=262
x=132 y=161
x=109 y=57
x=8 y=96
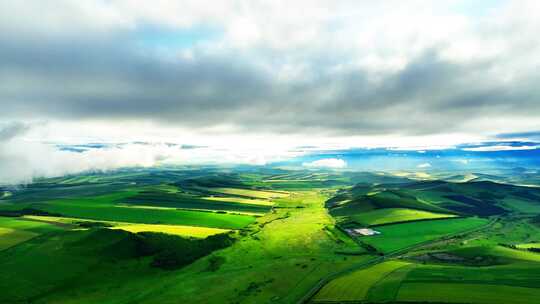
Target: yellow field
x=240 y=200
x=192 y=209
x=250 y=193
x=57 y=219
x=355 y=286
x=200 y=232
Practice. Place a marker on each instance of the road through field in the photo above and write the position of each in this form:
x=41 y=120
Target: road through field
x=278 y=258
x=376 y=260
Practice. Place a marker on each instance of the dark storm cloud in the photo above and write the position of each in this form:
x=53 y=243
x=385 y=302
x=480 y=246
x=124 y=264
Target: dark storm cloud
x=90 y=79
x=112 y=77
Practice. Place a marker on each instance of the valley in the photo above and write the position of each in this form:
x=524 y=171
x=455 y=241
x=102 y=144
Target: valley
x=211 y=236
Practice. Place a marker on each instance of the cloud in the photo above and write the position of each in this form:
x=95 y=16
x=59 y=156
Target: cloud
x=424 y=165
x=22 y=161
x=310 y=70
x=294 y=67
x=334 y=163
x=531 y=135
x=496 y=148
x=11 y=130
x=461 y=161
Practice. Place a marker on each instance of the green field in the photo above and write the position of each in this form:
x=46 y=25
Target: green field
x=15 y=230
x=257 y=194
x=399 y=236
x=10 y=237
x=151 y=216
x=528 y=245
x=513 y=273
x=391 y=215
x=241 y=200
x=160 y=198
x=264 y=264
x=268 y=235
x=355 y=286
x=188 y=231
x=108 y=208
x=467 y=293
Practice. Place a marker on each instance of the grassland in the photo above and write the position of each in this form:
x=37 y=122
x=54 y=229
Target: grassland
x=185 y=201
x=448 y=270
x=241 y=200
x=528 y=245
x=276 y=262
x=458 y=275
x=150 y=216
x=108 y=208
x=385 y=290
x=249 y=193
x=10 y=237
x=59 y=262
x=272 y=261
x=399 y=236
x=355 y=286
x=279 y=255
x=514 y=280
x=392 y=215
x=188 y=231
x=15 y=230
x=429 y=248
x=467 y=293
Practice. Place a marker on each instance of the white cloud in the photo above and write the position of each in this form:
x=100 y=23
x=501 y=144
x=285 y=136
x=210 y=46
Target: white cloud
x=301 y=64
x=11 y=130
x=335 y=163
x=22 y=161
x=424 y=165
x=500 y=148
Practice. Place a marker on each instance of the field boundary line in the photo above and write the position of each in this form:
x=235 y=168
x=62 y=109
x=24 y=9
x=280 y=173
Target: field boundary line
x=368 y=293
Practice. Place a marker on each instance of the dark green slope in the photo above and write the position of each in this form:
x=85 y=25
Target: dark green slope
x=56 y=263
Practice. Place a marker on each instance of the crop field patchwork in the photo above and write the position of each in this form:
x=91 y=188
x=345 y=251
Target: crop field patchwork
x=182 y=201
x=152 y=216
x=260 y=194
x=171 y=236
x=355 y=286
x=15 y=230
x=187 y=231
x=10 y=237
x=399 y=236
x=467 y=293
x=240 y=200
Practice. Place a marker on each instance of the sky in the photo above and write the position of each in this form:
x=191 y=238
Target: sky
x=254 y=81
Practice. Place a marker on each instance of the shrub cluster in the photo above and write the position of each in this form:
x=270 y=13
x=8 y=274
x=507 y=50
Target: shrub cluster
x=27 y=211
x=173 y=252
